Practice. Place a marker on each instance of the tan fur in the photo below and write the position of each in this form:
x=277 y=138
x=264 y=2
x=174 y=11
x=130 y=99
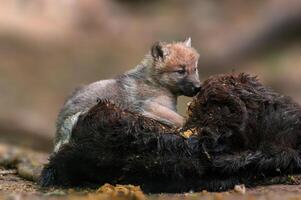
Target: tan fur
x=180 y=54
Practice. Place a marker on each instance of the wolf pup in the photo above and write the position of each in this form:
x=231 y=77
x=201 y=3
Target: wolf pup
x=169 y=70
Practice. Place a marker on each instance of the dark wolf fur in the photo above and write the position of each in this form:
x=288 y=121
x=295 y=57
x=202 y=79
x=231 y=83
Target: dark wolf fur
x=244 y=132
x=109 y=145
x=245 y=129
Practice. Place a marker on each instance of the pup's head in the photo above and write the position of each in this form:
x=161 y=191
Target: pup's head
x=175 y=67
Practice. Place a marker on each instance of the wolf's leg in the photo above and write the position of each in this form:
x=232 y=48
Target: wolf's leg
x=164 y=114
x=277 y=162
x=249 y=168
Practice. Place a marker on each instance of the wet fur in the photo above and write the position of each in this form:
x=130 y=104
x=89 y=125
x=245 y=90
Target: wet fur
x=244 y=134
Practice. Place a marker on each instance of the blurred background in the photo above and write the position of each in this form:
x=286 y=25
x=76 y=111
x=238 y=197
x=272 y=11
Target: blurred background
x=47 y=48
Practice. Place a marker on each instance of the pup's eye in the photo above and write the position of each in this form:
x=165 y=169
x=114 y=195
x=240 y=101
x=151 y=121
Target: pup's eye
x=181 y=71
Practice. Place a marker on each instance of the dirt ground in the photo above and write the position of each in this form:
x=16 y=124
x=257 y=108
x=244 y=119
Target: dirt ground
x=14 y=187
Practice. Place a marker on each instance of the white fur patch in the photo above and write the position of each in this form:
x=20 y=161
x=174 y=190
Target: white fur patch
x=66 y=130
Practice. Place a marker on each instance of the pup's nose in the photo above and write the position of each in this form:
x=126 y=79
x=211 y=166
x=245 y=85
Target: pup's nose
x=197 y=87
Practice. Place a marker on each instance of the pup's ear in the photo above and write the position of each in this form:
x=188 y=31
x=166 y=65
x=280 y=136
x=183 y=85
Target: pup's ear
x=159 y=51
x=187 y=42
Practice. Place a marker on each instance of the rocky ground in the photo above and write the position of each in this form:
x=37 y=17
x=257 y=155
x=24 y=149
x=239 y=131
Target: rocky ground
x=16 y=164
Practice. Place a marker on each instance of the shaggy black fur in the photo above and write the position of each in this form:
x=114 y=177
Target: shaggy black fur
x=247 y=130
x=244 y=132
x=110 y=145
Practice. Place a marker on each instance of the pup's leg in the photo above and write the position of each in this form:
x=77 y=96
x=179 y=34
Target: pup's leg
x=164 y=114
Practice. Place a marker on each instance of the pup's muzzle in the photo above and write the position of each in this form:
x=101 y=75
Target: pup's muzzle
x=191 y=89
